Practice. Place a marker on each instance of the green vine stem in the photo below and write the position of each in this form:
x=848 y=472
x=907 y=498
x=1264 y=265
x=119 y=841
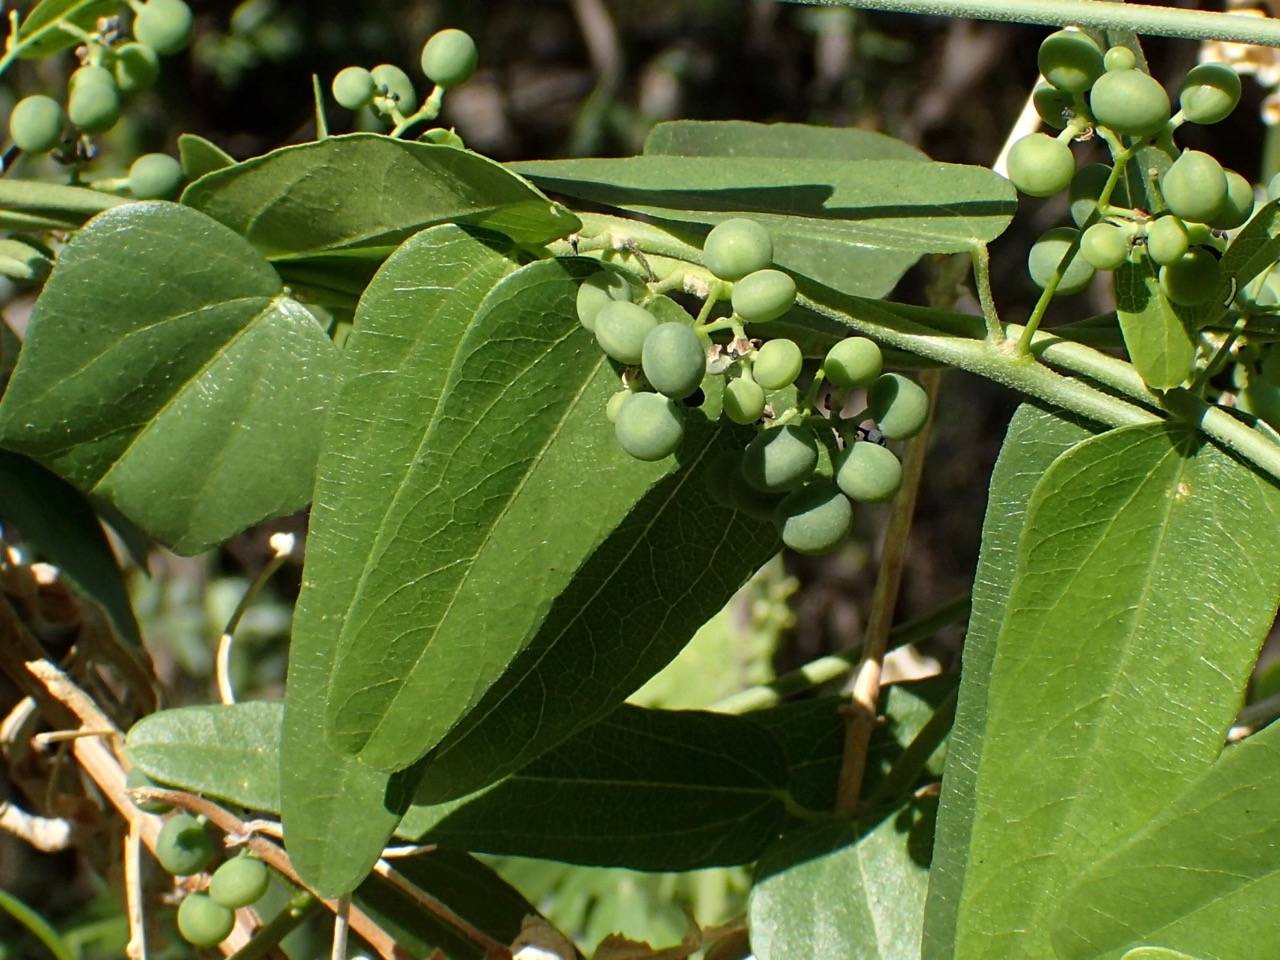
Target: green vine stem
x=1099 y=14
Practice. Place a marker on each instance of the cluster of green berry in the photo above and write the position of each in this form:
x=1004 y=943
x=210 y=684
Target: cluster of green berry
x=803 y=467
x=1090 y=91
x=185 y=848
x=449 y=59
x=111 y=66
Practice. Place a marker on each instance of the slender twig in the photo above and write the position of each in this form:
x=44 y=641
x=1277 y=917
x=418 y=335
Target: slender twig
x=282 y=545
x=426 y=901
x=46 y=834
x=341 y=924
x=906 y=769
x=136 y=948
x=981 y=257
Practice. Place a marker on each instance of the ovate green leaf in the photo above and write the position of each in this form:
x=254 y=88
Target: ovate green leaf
x=1256 y=247
x=40 y=33
x=1158 y=335
x=200 y=156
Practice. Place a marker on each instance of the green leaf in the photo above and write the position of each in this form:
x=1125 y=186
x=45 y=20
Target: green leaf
x=1160 y=340
x=30 y=204
x=844 y=889
x=40 y=35
x=1035 y=439
x=854 y=226
x=1138 y=605
x=645 y=789
x=1202 y=877
x=10 y=346
x=167 y=371
x=59 y=524
x=1256 y=247
x=363 y=194
x=783 y=141
x=199 y=156
x=410 y=322
x=228 y=751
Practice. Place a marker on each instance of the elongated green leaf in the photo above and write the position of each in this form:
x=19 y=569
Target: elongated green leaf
x=1139 y=602
x=164 y=357
x=844 y=889
x=62 y=206
x=56 y=520
x=1160 y=340
x=363 y=194
x=10 y=346
x=1035 y=439
x=1202 y=877
x=800 y=141
x=411 y=320
x=646 y=789
x=200 y=156
x=853 y=225
x=1256 y=247
x=40 y=35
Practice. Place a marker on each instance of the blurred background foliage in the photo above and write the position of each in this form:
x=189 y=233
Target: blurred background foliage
x=590 y=77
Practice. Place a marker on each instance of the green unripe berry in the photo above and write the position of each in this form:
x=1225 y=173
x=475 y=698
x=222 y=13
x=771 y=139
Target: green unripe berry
x=763 y=295
x=744 y=400
x=1054 y=106
x=1167 y=239
x=853 y=362
x=898 y=405
x=239 y=882
x=1209 y=93
x=395 y=85
x=673 y=359
x=155 y=176
x=137 y=67
x=737 y=247
x=1070 y=60
x=649 y=426
x=93 y=102
x=598 y=291
x=1195 y=186
x=1047 y=253
x=621 y=328
x=1130 y=102
x=777 y=364
x=815 y=519
x=202 y=922
x=164 y=25
x=354 y=87
x=136 y=778
x=1199 y=234
x=1105 y=246
x=615 y=404
x=868 y=473
x=449 y=58
x=1041 y=166
x=35 y=125
x=1086 y=187
x=1238 y=207
x=184 y=846
x=1192 y=279
x=780 y=459
x=1119 y=58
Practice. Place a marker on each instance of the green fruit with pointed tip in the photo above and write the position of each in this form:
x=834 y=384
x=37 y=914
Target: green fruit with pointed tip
x=814 y=519
x=737 y=247
x=763 y=295
x=93 y=100
x=1209 y=93
x=354 y=88
x=615 y=405
x=1041 y=166
x=1237 y=208
x=597 y=292
x=1167 y=239
x=898 y=405
x=1195 y=186
x=853 y=362
x=1105 y=246
x=137 y=778
x=202 y=922
x=777 y=364
x=1119 y=58
x=621 y=328
x=394 y=84
x=1047 y=253
x=868 y=473
x=136 y=67
x=744 y=400
x=649 y=426
x=673 y=359
x=1192 y=279
x=35 y=125
x=449 y=58
x=1130 y=102
x=164 y=25
x=780 y=458
x=155 y=176
x=1054 y=106
x=183 y=846
x=1070 y=60
x=239 y=882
